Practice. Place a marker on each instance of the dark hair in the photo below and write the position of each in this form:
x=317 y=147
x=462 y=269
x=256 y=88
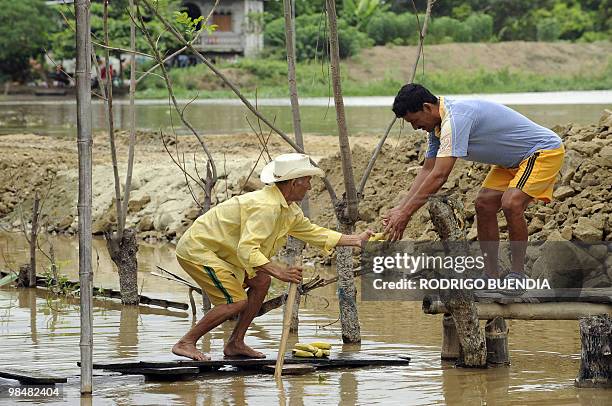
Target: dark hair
x=410 y=98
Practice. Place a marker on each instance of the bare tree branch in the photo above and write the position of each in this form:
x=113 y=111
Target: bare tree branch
x=381 y=142
x=236 y=91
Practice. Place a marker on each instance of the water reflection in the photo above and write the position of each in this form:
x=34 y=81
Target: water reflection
x=59 y=118
x=127 y=339
x=46 y=331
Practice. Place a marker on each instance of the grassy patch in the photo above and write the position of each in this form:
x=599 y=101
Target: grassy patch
x=268 y=79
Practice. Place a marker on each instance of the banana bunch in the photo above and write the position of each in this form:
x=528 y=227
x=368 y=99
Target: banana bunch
x=317 y=349
x=378 y=237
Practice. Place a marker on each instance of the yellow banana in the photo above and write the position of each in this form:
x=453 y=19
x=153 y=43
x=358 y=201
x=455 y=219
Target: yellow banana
x=322 y=345
x=377 y=237
x=326 y=353
x=319 y=353
x=305 y=347
x=302 y=354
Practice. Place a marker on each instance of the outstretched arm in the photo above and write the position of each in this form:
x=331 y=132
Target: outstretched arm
x=396 y=220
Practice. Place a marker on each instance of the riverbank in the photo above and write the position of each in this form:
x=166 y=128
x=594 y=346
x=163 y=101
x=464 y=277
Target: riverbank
x=162 y=207
x=379 y=71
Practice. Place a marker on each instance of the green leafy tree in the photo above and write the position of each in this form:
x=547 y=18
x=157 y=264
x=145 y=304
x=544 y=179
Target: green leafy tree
x=359 y=12
x=310 y=37
x=24 y=33
x=548 y=29
x=118 y=26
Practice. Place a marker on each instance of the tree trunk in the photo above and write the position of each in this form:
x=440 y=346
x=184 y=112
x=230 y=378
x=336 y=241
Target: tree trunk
x=347 y=212
x=123 y=253
x=596 y=357
x=459 y=303
x=84 y=143
x=347 y=293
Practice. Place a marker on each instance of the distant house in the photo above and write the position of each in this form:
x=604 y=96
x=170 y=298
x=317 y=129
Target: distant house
x=239 y=26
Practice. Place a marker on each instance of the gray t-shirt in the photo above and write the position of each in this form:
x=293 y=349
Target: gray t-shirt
x=487 y=132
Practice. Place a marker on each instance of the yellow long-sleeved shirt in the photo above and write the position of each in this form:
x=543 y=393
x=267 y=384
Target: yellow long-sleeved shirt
x=245 y=231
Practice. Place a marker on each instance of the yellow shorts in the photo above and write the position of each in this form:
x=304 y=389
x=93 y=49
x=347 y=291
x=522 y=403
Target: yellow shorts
x=221 y=285
x=535 y=176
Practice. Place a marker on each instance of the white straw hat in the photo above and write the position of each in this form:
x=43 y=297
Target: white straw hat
x=289 y=166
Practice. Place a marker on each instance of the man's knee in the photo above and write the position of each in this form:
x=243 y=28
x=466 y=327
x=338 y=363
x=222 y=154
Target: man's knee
x=260 y=281
x=487 y=203
x=513 y=204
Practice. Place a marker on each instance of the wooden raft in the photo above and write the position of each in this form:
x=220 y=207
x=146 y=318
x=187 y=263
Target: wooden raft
x=29 y=379
x=175 y=369
x=115 y=294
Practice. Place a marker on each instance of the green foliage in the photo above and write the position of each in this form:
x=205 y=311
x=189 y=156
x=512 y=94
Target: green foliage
x=397 y=28
x=572 y=20
x=548 y=29
x=359 y=13
x=447 y=29
x=59 y=286
x=313 y=81
x=25 y=26
x=118 y=27
x=310 y=37
x=480 y=26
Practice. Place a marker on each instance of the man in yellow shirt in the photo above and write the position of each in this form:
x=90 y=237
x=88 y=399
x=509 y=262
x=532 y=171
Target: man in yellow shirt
x=228 y=248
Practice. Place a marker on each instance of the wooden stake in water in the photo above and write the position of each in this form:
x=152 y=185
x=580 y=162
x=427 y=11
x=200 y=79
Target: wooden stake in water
x=289 y=303
x=280 y=359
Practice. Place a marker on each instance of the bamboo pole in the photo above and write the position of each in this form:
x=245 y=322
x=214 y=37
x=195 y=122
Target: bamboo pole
x=529 y=311
x=84 y=144
x=33 y=242
x=294 y=245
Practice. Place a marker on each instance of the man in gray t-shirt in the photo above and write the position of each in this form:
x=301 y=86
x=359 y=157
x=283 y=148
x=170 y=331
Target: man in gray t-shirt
x=525 y=158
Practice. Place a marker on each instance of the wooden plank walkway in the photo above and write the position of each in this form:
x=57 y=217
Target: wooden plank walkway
x=115 y=294
x=31 y=379
x=251 y=364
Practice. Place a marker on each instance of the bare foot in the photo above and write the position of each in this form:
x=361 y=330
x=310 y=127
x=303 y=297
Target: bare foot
x=189 y=350
x=241 y=350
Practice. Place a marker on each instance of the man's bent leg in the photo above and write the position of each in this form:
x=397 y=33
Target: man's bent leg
x=488 y=203
x=235 y=346
x=514 y=202
x=186 y=346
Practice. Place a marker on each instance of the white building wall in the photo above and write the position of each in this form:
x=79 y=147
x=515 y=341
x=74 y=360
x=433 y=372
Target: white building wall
x=246 y=36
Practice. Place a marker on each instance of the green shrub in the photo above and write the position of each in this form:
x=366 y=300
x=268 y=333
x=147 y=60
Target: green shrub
x=443 y=27
x=480 y=26
x=388 y=27
x=548 y=30
x=310 y=37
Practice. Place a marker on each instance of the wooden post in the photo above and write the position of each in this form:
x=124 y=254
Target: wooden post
x=33 y=243
x=84 y=143
x=450 y=341
x=596 y=357
x=459 y=303
x=496 y=336
x=280 y=358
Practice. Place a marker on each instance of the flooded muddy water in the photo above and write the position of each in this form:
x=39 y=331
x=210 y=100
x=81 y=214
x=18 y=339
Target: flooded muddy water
x=41 y=333
x=369 y=115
